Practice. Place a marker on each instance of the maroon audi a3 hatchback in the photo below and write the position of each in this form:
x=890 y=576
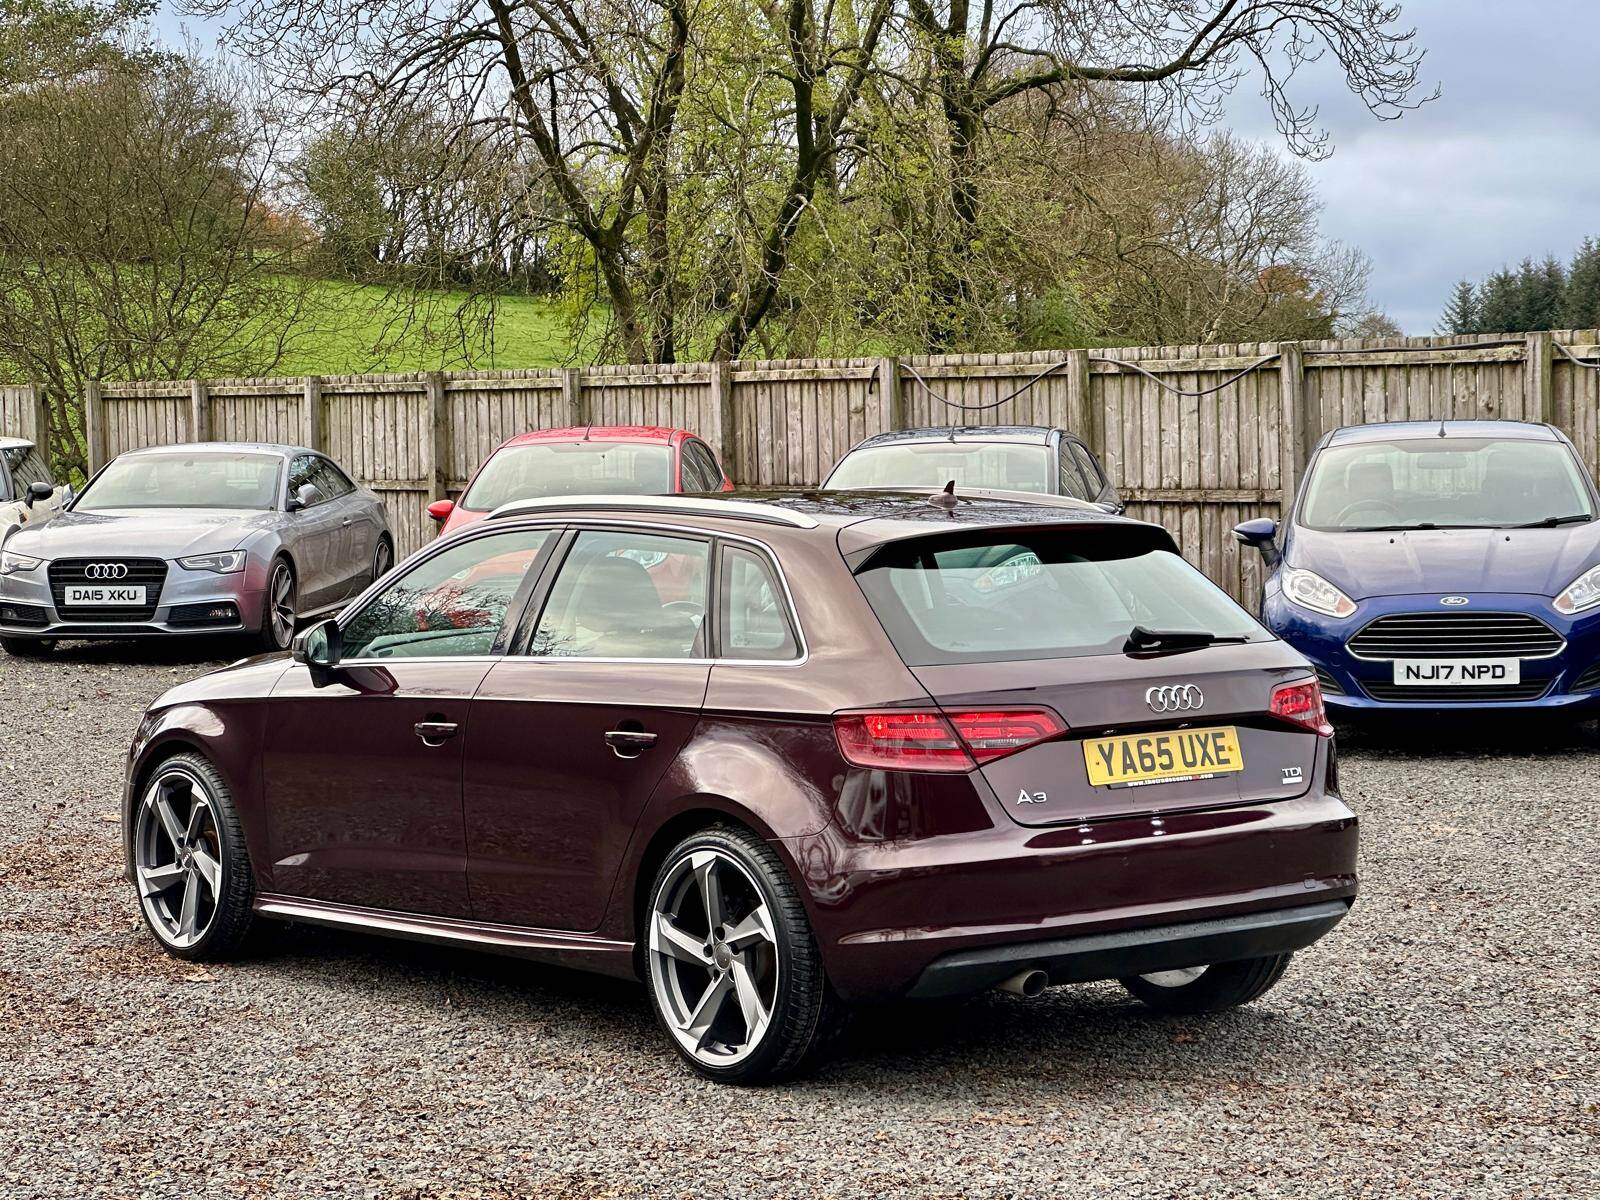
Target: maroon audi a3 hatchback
x=773 y=757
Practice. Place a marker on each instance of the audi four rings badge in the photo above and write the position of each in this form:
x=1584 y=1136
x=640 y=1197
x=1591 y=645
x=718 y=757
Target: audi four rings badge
x=1175 y=697
x=106 y=571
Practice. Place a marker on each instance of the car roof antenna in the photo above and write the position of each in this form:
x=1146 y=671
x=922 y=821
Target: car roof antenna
x=1441 y=426
x=945 y=499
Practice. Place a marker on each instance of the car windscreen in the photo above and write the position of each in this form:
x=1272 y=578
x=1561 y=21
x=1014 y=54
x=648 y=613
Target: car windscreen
x=1026 y=594
x=1444 y=482
x=1009 y=466
x=571 y=469
x=187 y=480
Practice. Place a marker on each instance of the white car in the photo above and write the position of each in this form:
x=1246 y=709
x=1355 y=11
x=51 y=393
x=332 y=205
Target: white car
x=28 y=493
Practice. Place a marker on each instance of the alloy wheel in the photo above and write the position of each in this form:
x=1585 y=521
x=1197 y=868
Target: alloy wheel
x=382 y=560
x=280 y=596
x=178 y=858
x=714 y=960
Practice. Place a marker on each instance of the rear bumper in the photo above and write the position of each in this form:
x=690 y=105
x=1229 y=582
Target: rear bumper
x=885 y=913
x=1133 y=951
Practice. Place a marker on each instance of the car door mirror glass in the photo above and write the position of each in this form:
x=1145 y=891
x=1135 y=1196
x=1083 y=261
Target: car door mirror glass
x=318 y=647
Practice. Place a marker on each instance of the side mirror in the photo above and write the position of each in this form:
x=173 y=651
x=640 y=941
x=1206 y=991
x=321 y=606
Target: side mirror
x=38 y=493
x=304 y=497
x=440 y=510
x=317 y=647
x=1262 y=533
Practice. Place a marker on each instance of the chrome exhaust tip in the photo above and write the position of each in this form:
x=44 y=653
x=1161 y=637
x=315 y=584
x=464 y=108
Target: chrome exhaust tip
x=1026 y=984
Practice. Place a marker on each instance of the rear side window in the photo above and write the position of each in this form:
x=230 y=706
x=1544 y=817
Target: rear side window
x=1089 y=467
x=627 y=595
x=700 y=471
x=1072 y=481
x=1045 y=594
x=752 y=609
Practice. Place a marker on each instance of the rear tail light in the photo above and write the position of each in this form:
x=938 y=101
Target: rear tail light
x=902 y=739
x=1301 y=704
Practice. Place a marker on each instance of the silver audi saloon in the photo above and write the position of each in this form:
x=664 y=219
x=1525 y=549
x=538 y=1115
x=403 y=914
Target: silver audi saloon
x=211 y=537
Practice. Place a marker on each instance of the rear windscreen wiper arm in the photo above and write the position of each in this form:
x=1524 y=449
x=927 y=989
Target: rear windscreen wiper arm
x=1146 y=641
x=1549 y=522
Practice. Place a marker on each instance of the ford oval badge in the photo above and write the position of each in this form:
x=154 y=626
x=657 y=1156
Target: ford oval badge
x=1453 y=601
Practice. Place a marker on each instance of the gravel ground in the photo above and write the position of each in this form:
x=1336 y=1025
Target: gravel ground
x=1442 y=1042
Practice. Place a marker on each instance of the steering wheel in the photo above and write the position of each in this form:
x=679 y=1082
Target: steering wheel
x=1383 y=506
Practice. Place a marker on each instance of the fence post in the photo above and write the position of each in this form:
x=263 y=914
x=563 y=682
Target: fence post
x=39 y=414
x=894 y=405
x=199 y=411
x=727 y=432
x=437 y=447
x=1539 y=392
x=94 y=425
x=1084 y=418
x=572 y=395
x=1298 y=429
x=311 y=432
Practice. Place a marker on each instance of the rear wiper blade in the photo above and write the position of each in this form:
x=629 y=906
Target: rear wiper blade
x=1146 y=641
x=1551 y=522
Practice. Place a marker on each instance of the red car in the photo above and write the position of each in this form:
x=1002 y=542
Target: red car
x=586 y=460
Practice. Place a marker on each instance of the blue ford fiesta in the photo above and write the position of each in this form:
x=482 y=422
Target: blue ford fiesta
x=1449 y=565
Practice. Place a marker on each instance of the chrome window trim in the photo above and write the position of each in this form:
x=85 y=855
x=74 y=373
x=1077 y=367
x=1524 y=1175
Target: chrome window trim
x=351 y=610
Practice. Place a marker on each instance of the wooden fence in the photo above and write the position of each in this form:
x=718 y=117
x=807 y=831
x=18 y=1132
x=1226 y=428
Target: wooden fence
x=1195 y=437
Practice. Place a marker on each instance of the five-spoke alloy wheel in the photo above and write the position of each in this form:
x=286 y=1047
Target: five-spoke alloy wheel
x=733 y=970
x=189 y=863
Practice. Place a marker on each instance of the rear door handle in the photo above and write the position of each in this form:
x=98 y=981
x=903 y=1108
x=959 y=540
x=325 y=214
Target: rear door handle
x=630 y=742
x=435 y=733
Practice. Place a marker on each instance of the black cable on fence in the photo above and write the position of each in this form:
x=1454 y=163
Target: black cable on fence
x=1054 y=367
x=1574 y=359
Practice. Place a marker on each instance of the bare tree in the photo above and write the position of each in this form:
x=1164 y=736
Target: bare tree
x=1180 y=58
x=137 y=240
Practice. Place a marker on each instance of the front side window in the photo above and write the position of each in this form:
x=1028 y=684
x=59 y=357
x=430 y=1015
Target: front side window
x=1009 y=466
x=627 y=595
x=330 y=480
x=586 y=468
x=1088 y=468
x=1440 y=483
x=1044 y=594
x=1072 y=481
x=753 y=612
x=449 y=606
x=27 y=466
x=189 y=479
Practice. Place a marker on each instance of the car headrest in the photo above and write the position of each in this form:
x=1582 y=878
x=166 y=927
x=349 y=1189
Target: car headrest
x=615 y=593
x=1370 y=480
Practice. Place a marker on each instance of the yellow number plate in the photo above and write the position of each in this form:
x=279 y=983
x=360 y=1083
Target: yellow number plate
x=1162 y=757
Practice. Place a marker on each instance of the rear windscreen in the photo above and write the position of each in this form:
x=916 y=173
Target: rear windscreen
x=1039 y=595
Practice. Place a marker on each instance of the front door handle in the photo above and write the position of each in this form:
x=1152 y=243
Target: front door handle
x=629 y=743
x=435 y=733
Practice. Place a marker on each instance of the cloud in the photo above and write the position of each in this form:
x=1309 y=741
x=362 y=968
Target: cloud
x=1504 y=165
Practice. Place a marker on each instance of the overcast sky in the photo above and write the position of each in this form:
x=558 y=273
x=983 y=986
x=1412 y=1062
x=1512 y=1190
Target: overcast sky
x=1505 y=164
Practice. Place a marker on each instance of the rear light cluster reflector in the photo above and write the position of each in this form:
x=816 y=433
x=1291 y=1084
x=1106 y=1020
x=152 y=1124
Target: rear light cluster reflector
x=904 y=739
x=1301 y=704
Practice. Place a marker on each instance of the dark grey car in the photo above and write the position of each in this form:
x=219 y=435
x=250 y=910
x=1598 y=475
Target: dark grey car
x=213 y=537
x=1004 y=458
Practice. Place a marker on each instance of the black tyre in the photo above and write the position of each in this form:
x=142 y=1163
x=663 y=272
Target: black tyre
x=26 y=647
x=191 y=869
x=382 y=558
x=278 y=608
x=1208 y=989
x=730 y=962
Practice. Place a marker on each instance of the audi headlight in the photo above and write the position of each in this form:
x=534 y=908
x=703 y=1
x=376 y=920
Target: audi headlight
x=1582 y=594
x=12 y=563
x=222 y=564
x=1310 y=590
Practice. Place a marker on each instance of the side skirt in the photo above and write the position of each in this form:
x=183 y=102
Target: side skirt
x=582 y=951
